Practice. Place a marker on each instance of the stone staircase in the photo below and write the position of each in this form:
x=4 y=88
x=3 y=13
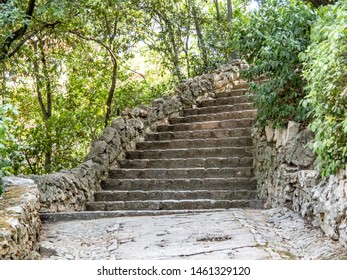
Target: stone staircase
x=202 y=160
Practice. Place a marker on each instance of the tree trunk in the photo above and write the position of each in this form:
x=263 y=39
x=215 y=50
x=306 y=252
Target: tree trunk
x=4 y=89
x=49 y=147
x=201 y=42
x=39 y=82
x=47 y=79
x=111 y=92
x=175 y=58
x=217 y=10
x=46 y=109
x=230 y=11
x=186 y=52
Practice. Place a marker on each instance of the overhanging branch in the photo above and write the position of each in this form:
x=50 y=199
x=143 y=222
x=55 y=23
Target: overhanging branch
x=18 y=33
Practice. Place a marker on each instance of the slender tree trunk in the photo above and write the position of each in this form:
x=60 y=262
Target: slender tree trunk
x=47 y=79
x=186 y=52
x=49 y=147
x=38 y=82
x=111 y=92
x=114 y=70
x=186 y=45
x=201 y=41
x=217 y=10
x=3 y=84
x=46 y=109
x=174 y=48
x=230 y=11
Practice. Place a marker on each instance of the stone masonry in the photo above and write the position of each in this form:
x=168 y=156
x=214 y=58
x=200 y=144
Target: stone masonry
x=20 y=222
x=286 y=175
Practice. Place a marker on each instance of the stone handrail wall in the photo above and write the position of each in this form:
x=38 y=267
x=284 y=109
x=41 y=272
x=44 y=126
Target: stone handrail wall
x=20 y=222
x=69 y=190
x=284 y=167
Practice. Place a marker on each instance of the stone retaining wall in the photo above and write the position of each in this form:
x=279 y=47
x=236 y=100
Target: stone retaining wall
x=20 y=223
x=284 y=167
x=68 y=190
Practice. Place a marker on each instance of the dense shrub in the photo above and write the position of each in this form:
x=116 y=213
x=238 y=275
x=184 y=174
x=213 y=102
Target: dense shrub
x=271 y=42
x=326 y=73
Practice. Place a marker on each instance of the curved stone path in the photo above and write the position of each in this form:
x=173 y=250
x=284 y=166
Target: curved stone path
x=231 y=234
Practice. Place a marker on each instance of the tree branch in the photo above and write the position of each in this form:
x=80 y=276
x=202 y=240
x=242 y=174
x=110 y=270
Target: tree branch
x=29 y=36
x=135 y=72
x=84 y=37
x=18 y=33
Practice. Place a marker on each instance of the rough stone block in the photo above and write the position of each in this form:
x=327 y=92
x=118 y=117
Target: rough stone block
x=292 y=131
x=280 y=136
x=269 y=132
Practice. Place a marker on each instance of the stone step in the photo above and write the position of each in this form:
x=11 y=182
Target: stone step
x=191 y=153
x=241 y=85
x=174 y=195
x=190 y=162
x=92 y=215
x=175 y=173
x=225 y=101
x=200 y=134
x=180 y=184
x=215 y=117
x=218 y=109
x=234 y=123
x=169 y=204
x=195 y=143
x=233 y=92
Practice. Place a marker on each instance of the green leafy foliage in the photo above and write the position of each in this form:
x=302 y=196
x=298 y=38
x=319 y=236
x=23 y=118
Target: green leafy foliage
x=271 y=41
x=8 y=143
x=326 y=73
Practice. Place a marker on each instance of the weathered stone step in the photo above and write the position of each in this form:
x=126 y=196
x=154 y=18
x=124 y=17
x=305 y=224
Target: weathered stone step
x=169 y=204
x=195 y=143
x=191 y=153
x=175 y=173
x=200 y=134
x=176 y=195
x=92 y=215
x=233 y=92
x=215 y=117
x=190 y=162
x=180 y=184
x=225 y=101
x=235 y=123
x=218 y=109
x=241 y=85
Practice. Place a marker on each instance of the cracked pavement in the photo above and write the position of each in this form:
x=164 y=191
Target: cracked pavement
x=250 y=234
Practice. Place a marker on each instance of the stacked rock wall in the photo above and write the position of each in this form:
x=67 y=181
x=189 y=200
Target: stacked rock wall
x=68 y=190
x=20 y=223
x=284 y=167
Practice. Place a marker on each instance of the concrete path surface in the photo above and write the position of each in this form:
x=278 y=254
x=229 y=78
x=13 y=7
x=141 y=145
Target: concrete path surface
x=230 y=234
